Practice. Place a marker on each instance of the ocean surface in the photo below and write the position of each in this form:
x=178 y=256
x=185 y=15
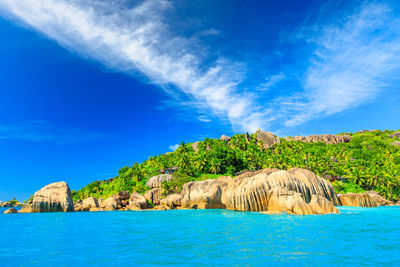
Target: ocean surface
x=357 y=236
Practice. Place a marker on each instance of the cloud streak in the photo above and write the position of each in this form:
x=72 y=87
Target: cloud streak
x=135 y=40
x=352 y=63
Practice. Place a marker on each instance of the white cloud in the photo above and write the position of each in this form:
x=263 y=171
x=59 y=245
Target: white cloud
x=136 y=40
x=174 y=147
x=351 y=64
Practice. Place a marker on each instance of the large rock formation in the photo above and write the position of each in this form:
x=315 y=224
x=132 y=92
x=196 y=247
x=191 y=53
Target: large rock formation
x=10 y=210
x=206 y=194
x=108 y=204
x=324 y=138
x=88 y=204
x=26 y=209
x=55 y=197
x=137 y=201
x=153 y=195
x=268 y=139
x=156 y=181
x=291 y=191
x=367 y=199
x=172 y=200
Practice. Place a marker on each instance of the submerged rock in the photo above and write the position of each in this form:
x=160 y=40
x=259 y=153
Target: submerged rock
x=55 y=197
x=11 y=210
x=156 y=181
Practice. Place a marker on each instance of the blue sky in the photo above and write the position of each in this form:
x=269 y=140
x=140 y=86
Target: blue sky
x=87 y=87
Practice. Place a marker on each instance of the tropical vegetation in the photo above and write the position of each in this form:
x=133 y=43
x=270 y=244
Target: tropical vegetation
x=370 y=161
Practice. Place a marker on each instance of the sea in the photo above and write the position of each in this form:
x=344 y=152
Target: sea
x=356 y=236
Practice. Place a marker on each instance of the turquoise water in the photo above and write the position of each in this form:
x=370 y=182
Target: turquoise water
x=359 y=236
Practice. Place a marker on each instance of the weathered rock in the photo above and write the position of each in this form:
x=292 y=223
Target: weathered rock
x=137 y=200
x=123 y=195
x=153 y=195
x=324 y=138
x=90 y=203
x=357 y=200
x=161 y=207
x=11 y=210
x=252 y=173
x=55 y=197
x=225 y=138
x=207 y=194
x=368 y=199
x=172 y=200
x=156 y=181
x=108 y=204
x=225 y=179
x=381 y=201
x=195 y=147
x=268 y=139
x=396 y=134
x=26 y=209
x=290 y=191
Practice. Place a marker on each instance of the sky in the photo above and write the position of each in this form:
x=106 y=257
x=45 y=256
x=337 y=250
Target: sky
x=89 y=86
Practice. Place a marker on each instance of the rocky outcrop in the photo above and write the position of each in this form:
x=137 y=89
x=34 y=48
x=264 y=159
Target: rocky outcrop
x=171 y=201
x=396 y=134
x=324 y=138
x=137 y=201
x=291 y=191
x=10 y=210
x=195 y=147
x=225 y=138
x=26 y=209
x=55 y=197
x=153 y=195
x=108 y=204
x=268 y=139
x=368 y=200
x=88 y=204
x=156 y=181
x=206 y=194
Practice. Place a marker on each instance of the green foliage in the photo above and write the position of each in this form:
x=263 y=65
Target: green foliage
x=370 y=161
x=346 y=187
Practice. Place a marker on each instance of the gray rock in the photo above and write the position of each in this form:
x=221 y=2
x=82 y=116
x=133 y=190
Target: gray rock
x=156 y=181
x=55 y=197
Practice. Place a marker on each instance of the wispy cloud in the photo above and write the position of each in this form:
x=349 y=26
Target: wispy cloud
x=350 y=61
x=174 y=147
x=40 y=131
x=353 y=61
x=136 y=40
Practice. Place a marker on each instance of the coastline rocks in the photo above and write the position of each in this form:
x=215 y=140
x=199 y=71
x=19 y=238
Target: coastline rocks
x=137 y=201
x=153 y=195
x=368 y=200
x=268 y=139
x=324 y=138
x=161 y=207
x=108 y=204
x=55 y=197
x=296 y=191
x=10 y=210
x=26 y=209
x=207 y=194
x=156 y=181
x=88 y=204
x=172 y=200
